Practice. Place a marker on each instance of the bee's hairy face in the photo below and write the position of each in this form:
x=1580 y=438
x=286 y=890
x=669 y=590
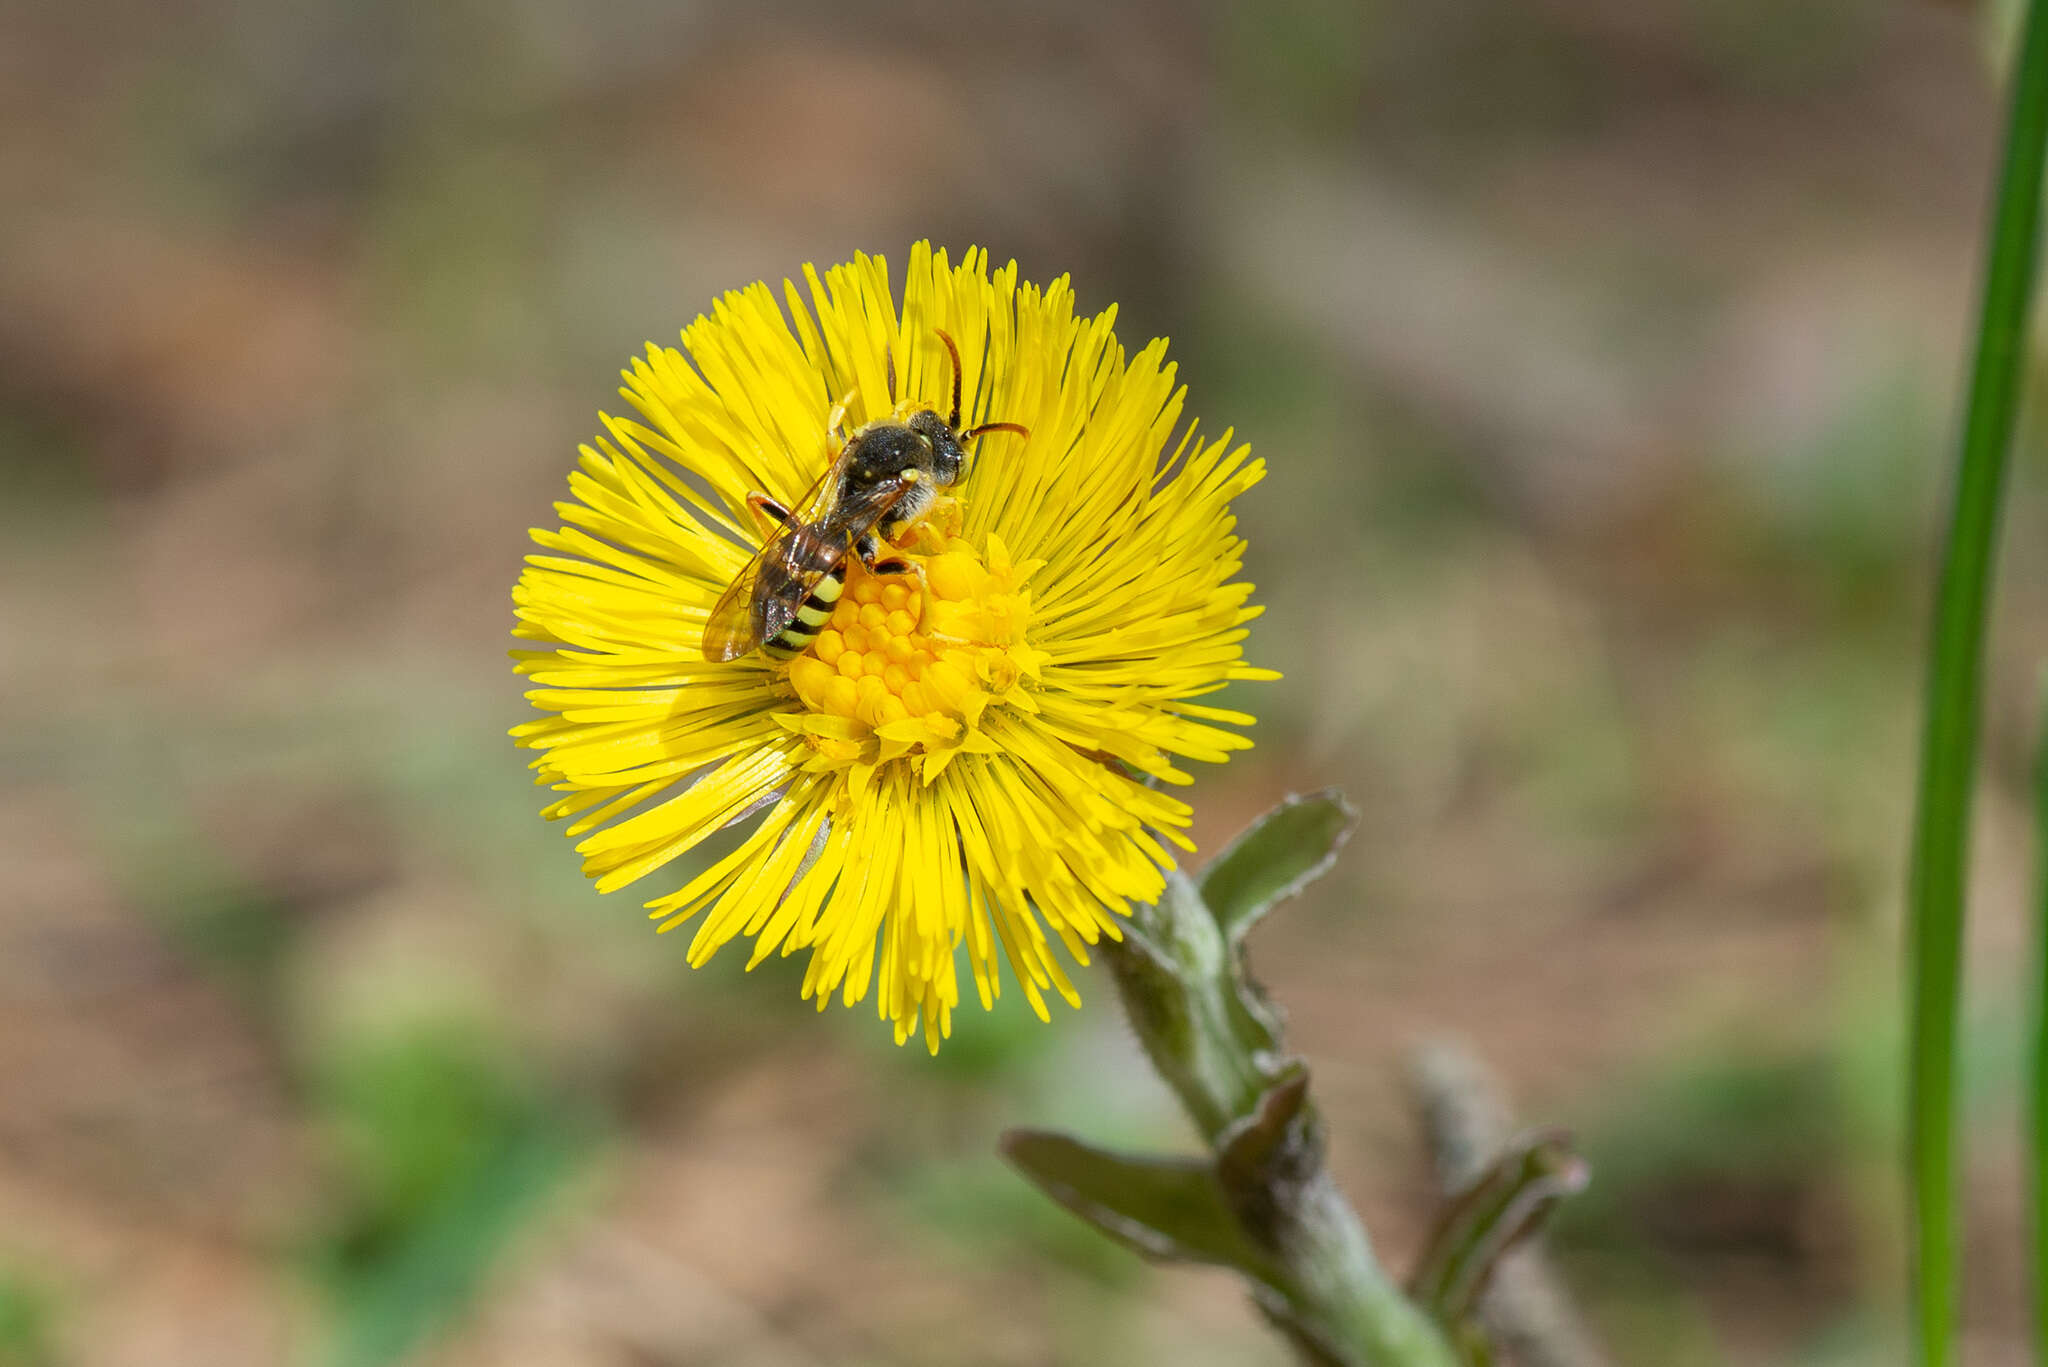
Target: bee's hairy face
x=947 y=456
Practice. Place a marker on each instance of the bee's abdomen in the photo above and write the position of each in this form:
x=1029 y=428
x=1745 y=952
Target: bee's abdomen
x=811 y=616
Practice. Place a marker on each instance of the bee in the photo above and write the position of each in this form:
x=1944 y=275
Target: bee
x=884 y=477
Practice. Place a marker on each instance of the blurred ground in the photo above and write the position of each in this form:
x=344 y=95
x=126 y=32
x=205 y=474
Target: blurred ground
x=1605 y=356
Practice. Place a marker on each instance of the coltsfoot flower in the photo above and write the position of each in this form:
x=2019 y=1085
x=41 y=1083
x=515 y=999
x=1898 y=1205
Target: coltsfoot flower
x=964 y=755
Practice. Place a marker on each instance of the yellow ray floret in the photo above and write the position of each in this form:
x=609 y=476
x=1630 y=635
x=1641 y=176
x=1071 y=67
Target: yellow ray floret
x=963 y=755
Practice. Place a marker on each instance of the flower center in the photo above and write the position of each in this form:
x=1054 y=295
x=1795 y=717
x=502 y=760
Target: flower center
x=873 y=662
x=909 y=663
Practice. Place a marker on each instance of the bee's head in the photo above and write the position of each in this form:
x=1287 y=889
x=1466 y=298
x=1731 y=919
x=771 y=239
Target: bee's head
x=947 y=457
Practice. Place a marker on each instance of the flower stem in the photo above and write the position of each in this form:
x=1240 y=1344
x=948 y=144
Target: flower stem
x=1184 y=995
x=1262 y=1200
x=1955 y=667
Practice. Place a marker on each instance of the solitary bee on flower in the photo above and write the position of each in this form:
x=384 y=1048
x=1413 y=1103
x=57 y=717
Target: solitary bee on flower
x=944 y=711
x=888 y=472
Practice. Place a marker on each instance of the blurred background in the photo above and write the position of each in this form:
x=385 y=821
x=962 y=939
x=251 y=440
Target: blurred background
x=1606 y=358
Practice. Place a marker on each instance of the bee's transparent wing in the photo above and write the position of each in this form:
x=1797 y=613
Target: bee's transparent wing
x=862 y=510
x=743 y=618
x=735 y=627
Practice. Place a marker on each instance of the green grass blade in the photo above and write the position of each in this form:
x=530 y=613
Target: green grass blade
x=2038 y=1134
x=1949 y=741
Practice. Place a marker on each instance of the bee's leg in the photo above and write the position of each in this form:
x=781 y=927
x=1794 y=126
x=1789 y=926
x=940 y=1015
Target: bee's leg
x=768 y=514
x=872 y=558
x=836 y=424
x=897 y=564
x=869 y=549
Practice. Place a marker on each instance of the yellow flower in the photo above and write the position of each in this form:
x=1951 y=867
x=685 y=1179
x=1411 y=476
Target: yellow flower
x=961 y=755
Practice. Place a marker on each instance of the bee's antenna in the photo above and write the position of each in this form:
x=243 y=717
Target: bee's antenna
x=953 y=351
x=1019 y=428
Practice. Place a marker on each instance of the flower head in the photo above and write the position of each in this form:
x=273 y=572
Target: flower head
x=961 y=755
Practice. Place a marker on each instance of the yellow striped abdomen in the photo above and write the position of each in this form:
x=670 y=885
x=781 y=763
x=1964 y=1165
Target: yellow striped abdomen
x=811 y=616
